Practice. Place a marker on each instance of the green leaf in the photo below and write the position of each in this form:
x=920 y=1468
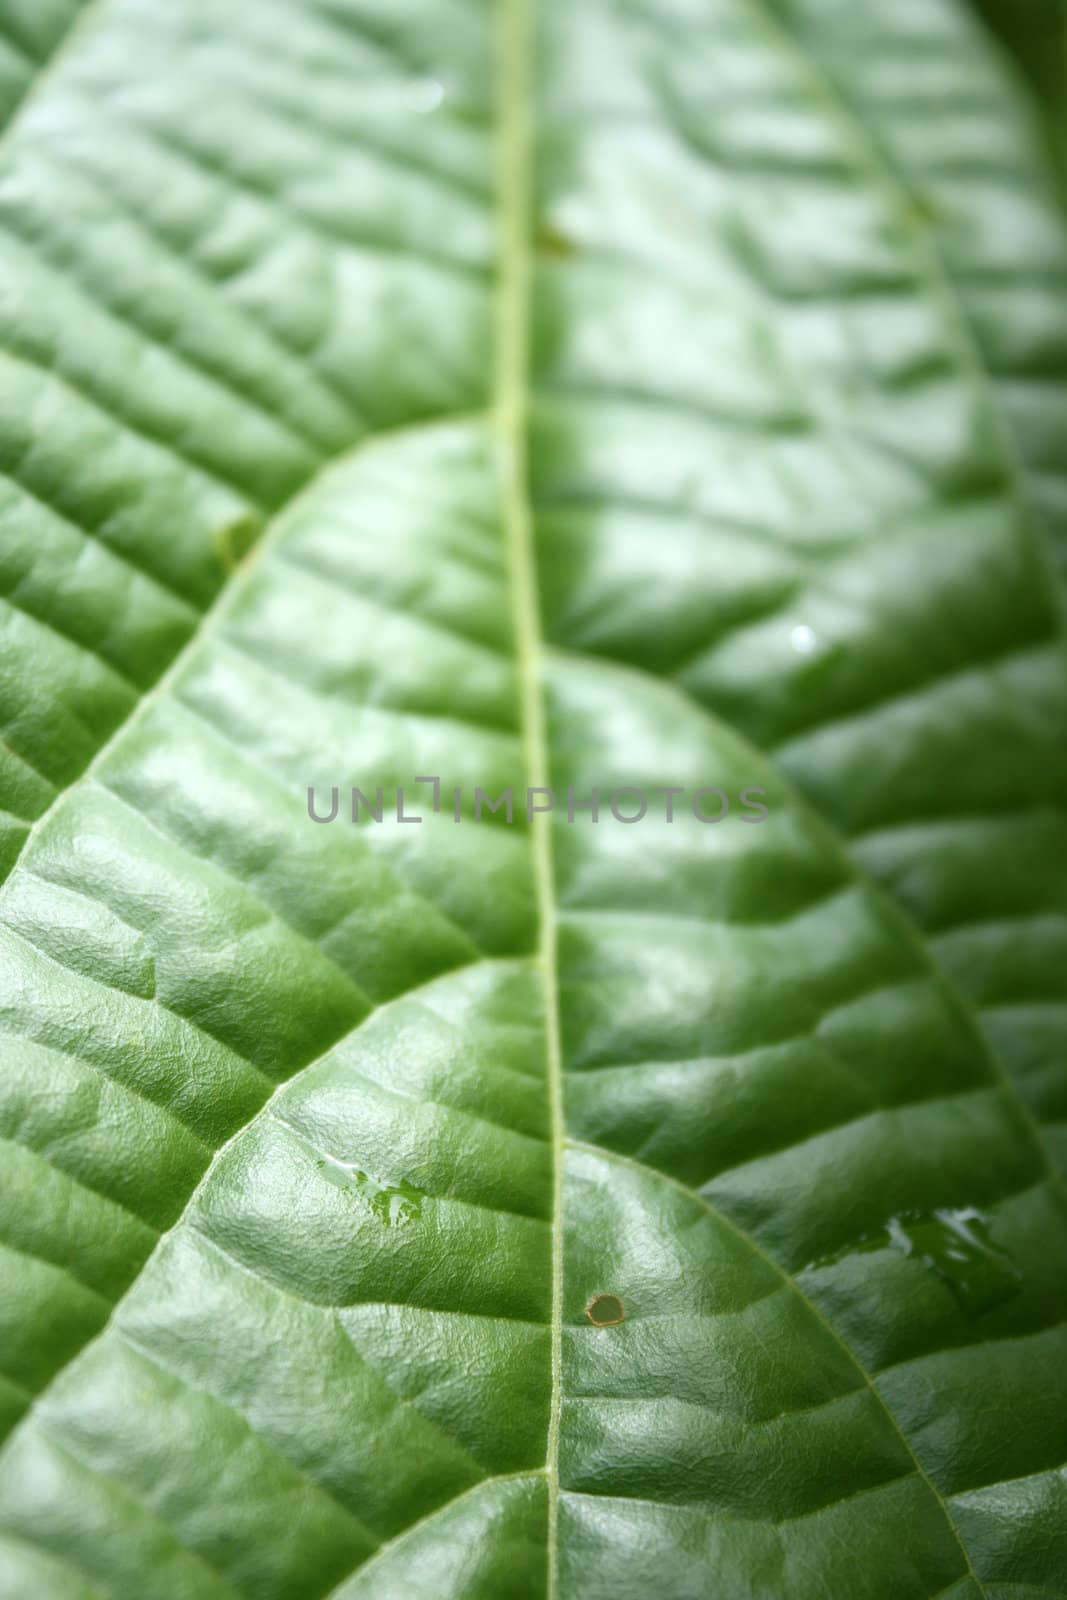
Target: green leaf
x=1034 y=32
x=560 y=395
x=953 y=132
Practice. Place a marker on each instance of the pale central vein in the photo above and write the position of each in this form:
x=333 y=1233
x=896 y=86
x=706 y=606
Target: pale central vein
x=513 y=134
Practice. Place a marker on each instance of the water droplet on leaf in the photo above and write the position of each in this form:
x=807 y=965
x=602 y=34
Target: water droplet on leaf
x=955 y=1245
x=803 y=639
x=427 y=94
x=392 y=1203
x=396 y=1203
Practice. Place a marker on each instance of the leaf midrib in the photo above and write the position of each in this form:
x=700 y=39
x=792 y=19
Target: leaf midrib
x=513 y=131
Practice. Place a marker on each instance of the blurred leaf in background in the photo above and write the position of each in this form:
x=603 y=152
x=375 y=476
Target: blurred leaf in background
x=1035 y=32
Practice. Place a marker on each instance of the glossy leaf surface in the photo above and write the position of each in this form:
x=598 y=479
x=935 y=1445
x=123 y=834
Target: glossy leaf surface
x=584 y=395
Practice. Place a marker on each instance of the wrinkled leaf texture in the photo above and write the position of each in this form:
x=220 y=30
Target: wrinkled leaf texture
x=580 y=392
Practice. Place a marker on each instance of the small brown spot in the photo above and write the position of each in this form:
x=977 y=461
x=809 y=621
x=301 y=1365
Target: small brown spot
x=235 y=539
x=924 y=210
x=605 y=1311
x=549 y=241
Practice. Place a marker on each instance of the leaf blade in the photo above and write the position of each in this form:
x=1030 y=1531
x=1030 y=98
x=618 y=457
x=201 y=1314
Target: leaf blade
x=744 y=1017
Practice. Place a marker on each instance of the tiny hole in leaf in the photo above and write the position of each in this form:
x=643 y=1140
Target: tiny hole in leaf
x=605 y=1310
